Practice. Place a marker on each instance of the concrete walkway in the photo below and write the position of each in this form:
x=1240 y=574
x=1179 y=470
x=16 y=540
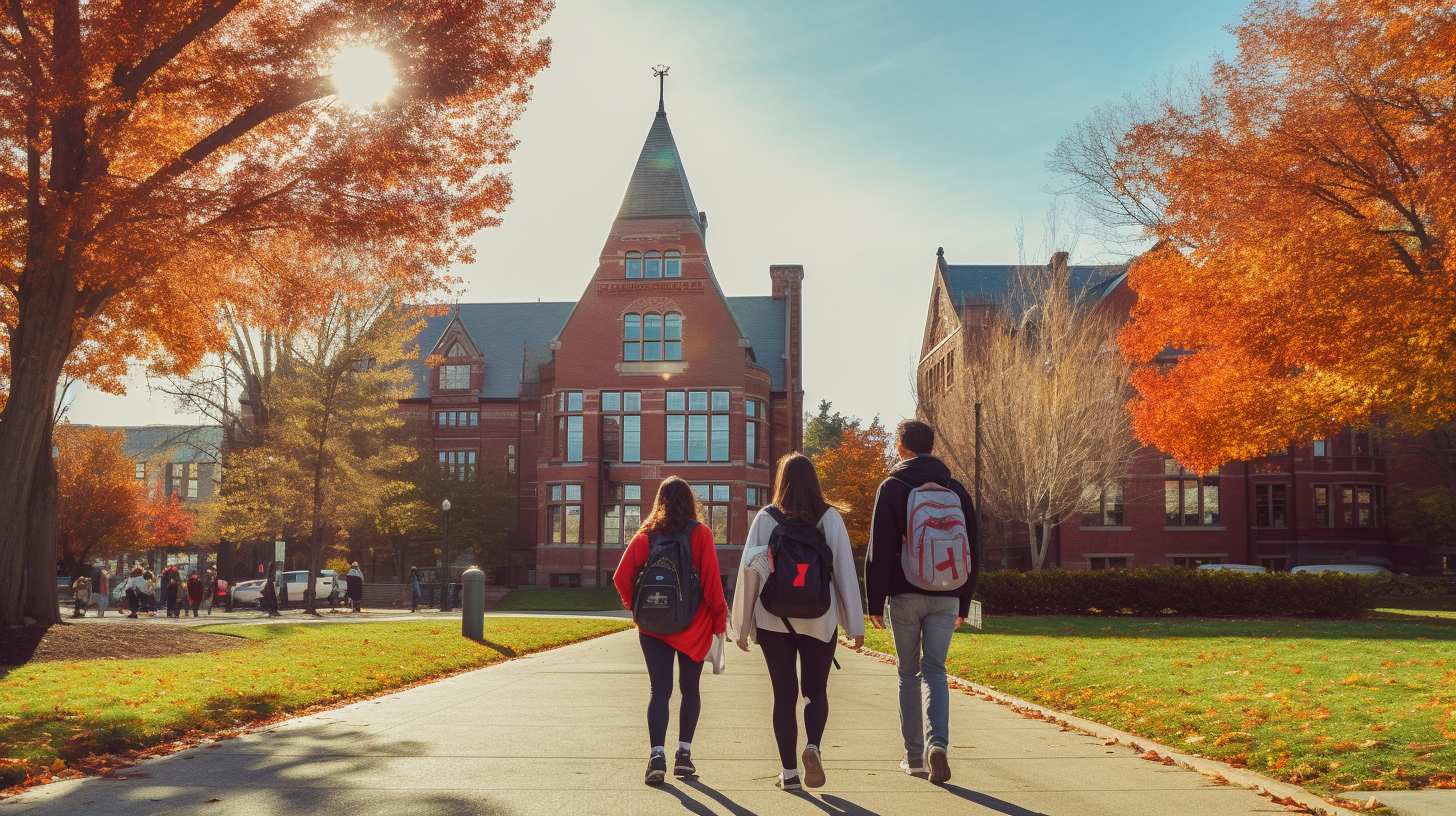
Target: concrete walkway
x=565 y=732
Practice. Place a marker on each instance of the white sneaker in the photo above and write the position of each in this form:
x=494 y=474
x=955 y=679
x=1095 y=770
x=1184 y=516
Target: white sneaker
x=914 y=768
x=790 y=784
x=813 y=768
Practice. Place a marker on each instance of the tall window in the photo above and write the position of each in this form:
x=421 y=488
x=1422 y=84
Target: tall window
x=176 y=473
x=652 y=337
x=191 y=480
x=620 y=521
x=621 y=426
x=458 y=465
x=1270 y=501
x=634 y=264
x=510 y=458
x=757 y=497
x=569 y=428
x=756 y=416
x=454 y=377
x=141 y=472
x=1105 y=507
x=564 y=511
x=671 y=264
x=1190 y=500
x=653 y=267
x=1321 y=448
x=1362 y=506
x=697 y=426
x=715 y=500
x=1322 y=516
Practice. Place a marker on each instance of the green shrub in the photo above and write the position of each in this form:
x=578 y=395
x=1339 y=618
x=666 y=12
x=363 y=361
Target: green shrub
x=1179 y=592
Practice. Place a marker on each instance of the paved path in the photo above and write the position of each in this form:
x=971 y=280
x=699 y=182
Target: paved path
x=252 y=617
x=564 y=732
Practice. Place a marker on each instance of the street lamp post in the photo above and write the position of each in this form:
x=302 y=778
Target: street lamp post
x=445 y=551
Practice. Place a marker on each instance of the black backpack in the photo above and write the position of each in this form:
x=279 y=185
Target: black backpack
x=801 y=569
x=669 y=587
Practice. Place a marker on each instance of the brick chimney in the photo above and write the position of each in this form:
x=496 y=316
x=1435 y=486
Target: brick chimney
x=788 y=282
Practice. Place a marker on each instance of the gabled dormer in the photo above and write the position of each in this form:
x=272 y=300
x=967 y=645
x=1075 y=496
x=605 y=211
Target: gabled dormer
x=459 y=364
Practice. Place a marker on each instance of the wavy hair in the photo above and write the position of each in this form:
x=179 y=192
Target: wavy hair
x=675 y=506
x=796 y=490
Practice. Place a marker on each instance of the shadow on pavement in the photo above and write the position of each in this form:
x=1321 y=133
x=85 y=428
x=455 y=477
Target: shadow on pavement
x=991 y=802
x=722 y=799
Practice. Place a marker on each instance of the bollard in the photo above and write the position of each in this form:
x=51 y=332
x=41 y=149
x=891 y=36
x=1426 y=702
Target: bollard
x=472 y=605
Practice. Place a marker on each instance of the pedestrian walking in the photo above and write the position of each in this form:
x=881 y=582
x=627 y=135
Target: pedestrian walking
x=355 y=590
x=135 y=587
x=102 y=586
x=796 y=588
x=920 y=572
x=219 y=593
x=415 y=589
x=269 y=598
x=282 y=589
x=194 y=594
x=149 y=599
x=669 y=578
x=80 y=596
x=171 y=590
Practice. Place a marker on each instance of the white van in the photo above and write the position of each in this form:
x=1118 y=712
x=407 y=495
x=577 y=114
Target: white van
x=1348 y=569
x=1234 y=567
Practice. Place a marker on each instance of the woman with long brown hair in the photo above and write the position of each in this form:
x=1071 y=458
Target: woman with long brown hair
x=675 y=513
x=798 y=650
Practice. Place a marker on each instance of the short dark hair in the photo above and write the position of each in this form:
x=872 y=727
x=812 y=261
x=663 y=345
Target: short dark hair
x=915 y=436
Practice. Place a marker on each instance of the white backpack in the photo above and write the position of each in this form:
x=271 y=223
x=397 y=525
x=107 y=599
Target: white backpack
x=937 y=551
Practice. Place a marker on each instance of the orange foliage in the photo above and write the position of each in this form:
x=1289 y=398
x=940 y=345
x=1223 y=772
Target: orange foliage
x=100 y=509
x=1304 y=252
x=850 y=475
x=168 y=524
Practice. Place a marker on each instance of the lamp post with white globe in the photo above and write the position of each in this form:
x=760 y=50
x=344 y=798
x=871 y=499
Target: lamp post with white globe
x=445 y=552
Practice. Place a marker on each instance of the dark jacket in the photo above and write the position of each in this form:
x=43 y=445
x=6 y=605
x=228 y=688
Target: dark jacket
x=884 y=578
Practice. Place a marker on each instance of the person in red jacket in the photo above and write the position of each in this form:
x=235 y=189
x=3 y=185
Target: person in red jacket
x=676 y=507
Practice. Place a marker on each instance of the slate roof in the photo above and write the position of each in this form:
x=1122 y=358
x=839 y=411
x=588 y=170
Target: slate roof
x=171 y=443
x=659 y=185
x=507 y=331
x=991 y=283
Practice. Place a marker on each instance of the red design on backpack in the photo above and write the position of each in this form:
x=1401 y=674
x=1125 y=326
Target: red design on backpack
x=803 y=571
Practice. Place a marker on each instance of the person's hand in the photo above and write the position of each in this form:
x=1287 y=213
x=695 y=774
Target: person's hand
x=743 y=644
x=960 y=621
x=877 y=621
x=856 y=642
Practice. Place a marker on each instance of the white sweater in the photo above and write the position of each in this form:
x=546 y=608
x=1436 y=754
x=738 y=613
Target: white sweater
x=749 y=615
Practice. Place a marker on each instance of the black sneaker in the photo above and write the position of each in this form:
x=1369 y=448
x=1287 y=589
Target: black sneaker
x=813 y=768
x=656 y=769
x=682 y=764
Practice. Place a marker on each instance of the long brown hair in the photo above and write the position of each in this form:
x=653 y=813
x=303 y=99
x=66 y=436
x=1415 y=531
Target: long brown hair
x=676 y=505
x=796 y=490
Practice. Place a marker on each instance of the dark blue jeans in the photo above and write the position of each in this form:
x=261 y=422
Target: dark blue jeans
x=660 y=658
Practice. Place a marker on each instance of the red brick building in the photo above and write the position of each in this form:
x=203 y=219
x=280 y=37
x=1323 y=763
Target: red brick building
x=1318 y=503
x=582 y=408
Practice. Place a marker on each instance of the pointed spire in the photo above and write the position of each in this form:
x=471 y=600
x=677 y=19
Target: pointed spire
x=660 y=71
x=659 y=185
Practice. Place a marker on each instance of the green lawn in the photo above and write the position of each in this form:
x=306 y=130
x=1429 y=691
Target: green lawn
x=65 y=712
x=538 y=599
x=1334 y=705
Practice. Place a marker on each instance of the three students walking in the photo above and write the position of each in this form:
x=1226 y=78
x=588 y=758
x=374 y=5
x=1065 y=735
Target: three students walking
x=796 y=590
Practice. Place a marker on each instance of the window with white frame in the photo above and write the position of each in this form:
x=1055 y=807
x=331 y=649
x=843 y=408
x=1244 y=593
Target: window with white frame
x=564 y=512
x=697 y=426
x=570 y=427
x=622 y=426
x=716 y=501
x=652 y=337
x=454 y=377
x=622 y=517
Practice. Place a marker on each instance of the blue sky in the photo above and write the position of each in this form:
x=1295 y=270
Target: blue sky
x=851 y=137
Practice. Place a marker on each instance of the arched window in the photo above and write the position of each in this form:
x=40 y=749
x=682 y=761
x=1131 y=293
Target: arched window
x=672 y=336
x=654 y=265
x=456 y=350
x=632 y=337
x=634 y=264
x=652 y=337
x=672 y=264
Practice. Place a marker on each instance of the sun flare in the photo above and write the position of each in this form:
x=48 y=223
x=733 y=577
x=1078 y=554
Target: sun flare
x=363 y=76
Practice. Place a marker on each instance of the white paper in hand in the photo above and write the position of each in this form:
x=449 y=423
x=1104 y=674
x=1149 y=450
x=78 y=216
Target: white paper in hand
x=974 y=618
x=715 y=654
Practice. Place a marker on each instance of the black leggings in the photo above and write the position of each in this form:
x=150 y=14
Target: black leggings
x=781 y=651
x=659 y=670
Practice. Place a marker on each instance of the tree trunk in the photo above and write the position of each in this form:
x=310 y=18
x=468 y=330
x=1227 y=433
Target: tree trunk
x=1039 y=540
x=41 y=600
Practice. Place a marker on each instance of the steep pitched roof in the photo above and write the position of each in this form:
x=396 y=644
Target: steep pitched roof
x=513 y=337
x=971 y=284
x=659 y=185
x=761 y=318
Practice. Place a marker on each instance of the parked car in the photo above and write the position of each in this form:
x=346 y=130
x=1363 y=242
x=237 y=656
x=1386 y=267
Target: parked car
x=1234 y=567
x=247 y=592
x=1350 y=569
x=297 y=581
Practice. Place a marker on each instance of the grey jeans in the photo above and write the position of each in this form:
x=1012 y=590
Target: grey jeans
x=922 y=626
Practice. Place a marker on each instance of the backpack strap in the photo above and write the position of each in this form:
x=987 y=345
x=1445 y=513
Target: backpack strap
x=790 y=627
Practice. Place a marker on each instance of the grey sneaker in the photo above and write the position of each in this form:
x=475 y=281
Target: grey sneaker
x=813 y=768
x=790 y=784
x=939 y=765
x=914 y=767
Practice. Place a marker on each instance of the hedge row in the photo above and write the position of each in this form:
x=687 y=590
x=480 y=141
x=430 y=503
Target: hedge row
x=1178 y=592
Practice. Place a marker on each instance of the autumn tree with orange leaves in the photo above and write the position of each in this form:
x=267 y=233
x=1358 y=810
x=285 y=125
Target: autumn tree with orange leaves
x=850 y=474
x=156 y=150
x=1303 y=200
x=168 y=524
x=100 y=502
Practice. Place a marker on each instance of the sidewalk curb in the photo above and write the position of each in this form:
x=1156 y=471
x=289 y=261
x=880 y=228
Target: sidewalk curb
x=1282 y=793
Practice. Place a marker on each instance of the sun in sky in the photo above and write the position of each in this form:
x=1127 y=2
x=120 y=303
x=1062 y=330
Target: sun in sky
x=363 y=76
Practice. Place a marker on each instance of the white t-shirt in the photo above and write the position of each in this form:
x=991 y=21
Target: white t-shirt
x=844 y=599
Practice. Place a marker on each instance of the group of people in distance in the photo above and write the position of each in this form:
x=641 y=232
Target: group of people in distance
x=145 y=593
x=796 y=590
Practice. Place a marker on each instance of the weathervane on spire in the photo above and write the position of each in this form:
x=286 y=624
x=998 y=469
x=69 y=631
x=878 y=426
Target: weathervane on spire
x=660 y=71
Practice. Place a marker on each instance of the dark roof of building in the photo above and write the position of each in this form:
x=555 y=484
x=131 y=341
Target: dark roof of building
x=762 y=319
x=659 y=185
x=171 y=443
x=515 y=338
x=972 y=284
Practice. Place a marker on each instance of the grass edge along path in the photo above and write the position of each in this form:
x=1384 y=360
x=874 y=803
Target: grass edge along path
x=1343 y=708
x=66 y=719
x=575 y=599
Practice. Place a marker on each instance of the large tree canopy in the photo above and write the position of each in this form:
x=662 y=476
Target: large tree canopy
x=151 y=146
x=1304 y=200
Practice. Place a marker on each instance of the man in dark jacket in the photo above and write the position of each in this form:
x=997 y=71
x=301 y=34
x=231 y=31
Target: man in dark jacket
x=920 y=620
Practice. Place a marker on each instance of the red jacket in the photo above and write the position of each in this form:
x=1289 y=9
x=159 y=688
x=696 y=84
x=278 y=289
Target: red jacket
x=712 y=614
